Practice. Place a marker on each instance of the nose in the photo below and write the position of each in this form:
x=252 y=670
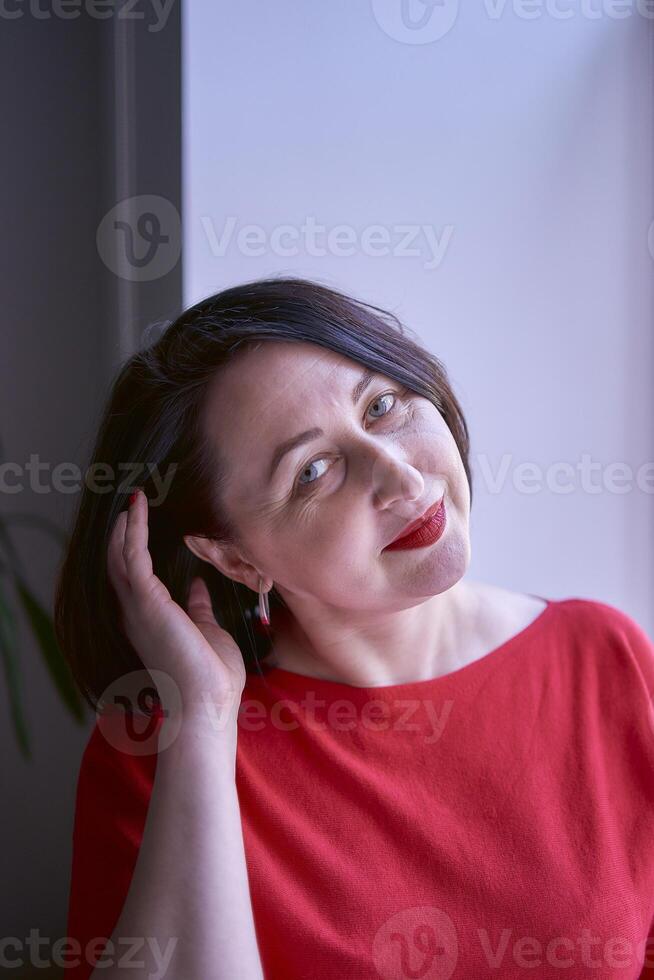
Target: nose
x=394 y=480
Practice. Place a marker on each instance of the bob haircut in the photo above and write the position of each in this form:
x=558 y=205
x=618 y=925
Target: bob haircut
x=152 y=420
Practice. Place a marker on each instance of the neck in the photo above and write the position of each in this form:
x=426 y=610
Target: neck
x=403 y=646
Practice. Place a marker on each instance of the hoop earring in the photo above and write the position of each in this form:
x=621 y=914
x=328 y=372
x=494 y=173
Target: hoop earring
x=264 y=610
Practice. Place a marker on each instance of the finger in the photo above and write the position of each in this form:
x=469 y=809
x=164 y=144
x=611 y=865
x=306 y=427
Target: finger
x=138 y=561
x=198 y=604
x=115 y=562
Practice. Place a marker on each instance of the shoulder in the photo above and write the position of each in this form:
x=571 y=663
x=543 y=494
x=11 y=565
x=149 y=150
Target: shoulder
x=607 y=627
x=608 y=643
x=597 y=619
x=603 y=621
x=602 y=659
x=501 y=613
x=600 y=628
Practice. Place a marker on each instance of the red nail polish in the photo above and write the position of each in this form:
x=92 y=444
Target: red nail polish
x=133 y=497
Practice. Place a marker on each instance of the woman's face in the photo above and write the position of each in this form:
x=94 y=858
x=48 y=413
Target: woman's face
x=316 y=518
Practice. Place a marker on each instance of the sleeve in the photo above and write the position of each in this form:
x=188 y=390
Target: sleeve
x=639 y=649
x=113 y=792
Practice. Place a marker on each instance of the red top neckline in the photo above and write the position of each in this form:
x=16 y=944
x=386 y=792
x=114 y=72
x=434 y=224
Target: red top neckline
x=293 y=681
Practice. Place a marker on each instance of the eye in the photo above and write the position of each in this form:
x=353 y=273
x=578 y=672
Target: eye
x=381 y=397
x=300 y=484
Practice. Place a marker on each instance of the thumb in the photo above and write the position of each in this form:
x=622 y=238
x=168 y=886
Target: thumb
x=199 y=602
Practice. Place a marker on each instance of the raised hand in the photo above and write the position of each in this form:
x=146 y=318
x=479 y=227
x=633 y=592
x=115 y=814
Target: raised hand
x=201 y=657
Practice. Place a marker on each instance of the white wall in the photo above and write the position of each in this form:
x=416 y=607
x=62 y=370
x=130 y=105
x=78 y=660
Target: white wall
x=522 y=137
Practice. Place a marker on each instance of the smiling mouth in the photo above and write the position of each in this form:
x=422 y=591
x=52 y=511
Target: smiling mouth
x=410 y=528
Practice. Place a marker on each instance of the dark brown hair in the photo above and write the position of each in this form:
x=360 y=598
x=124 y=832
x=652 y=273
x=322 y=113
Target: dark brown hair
x=153 y=418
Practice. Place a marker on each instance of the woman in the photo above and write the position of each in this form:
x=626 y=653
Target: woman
x=383 y=769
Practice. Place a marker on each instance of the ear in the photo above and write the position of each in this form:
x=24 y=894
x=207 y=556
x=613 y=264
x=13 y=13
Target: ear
x=226 y=559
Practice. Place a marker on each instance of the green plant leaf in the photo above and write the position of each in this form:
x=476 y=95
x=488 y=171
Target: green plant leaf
x=8 y=648
x=43 y=628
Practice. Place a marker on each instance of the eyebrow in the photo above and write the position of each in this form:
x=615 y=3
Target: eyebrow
x=286 y=447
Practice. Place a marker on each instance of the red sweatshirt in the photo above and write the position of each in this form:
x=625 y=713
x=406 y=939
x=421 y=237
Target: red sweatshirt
x=497 y=821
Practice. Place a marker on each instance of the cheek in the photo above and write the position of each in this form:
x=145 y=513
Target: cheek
x=323 y=541
x=334 y=563
x=269 y=517
x=433 y=450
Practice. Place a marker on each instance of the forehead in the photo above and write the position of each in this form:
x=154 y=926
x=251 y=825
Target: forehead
x=267 y=394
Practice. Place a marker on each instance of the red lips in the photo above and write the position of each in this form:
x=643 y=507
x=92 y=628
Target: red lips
x=421 y=520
